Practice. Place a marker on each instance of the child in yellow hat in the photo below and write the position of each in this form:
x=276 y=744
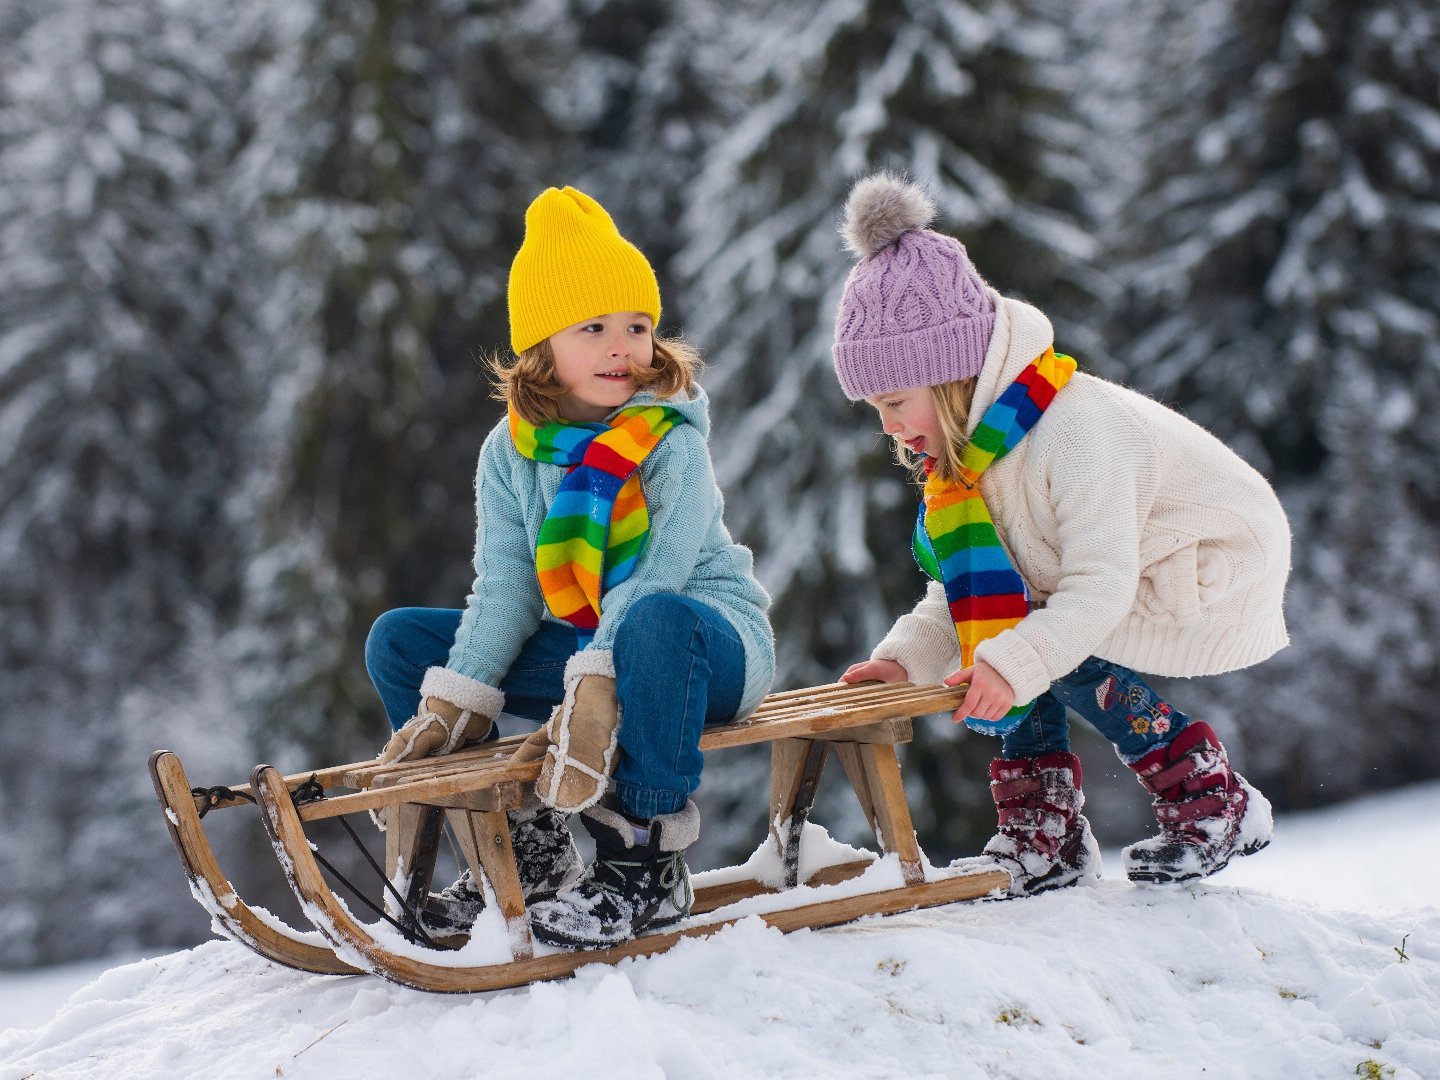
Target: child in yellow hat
x=609 y=600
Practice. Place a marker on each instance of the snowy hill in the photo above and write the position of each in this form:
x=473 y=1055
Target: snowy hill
x=1305 y=961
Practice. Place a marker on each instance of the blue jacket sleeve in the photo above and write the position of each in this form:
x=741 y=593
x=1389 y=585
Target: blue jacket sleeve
x=503 y=609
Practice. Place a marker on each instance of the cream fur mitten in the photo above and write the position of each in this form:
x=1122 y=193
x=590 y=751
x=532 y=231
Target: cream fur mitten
x=579 y=741
x=455 y=710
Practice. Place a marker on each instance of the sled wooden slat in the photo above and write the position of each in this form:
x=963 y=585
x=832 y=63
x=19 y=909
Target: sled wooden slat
x=786 y=705
x=441 y=788
x=835 y=705
x=327 y=778
x=370 y=773
x=775 y=707
x=710 y=897
x=352 y=939
x=441 y=778
x=893 y=731
x=231 y=915
x=825 y=715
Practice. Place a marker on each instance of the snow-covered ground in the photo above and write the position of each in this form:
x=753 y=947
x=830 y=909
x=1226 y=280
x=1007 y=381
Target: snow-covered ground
x=1319 y=957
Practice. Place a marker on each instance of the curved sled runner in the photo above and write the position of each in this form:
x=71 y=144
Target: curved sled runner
x=475 y=789
x=231 y=915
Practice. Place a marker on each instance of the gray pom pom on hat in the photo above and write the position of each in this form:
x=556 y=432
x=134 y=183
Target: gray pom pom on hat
x=915 y=311
x=882 y=207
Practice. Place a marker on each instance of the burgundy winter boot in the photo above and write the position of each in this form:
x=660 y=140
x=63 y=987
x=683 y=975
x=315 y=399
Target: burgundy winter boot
x=1206 y=810
x=1044 y=841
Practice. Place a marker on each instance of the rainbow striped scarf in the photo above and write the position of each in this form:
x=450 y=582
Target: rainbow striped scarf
x=597 y=528
x=955 y=540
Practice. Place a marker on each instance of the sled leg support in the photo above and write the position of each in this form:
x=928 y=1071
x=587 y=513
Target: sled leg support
x=484 y=839
x=868 y=757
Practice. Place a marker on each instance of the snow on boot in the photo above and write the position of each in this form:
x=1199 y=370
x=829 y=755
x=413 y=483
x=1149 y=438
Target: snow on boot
x=637 y=882
x=1044 y=842
x=1207 y=812
x=545 y=859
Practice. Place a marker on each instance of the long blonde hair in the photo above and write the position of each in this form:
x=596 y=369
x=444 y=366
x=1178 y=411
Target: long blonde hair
x=952 y=408
x=528 y=382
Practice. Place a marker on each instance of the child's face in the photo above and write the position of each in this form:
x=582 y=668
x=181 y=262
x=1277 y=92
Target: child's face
x=910 y=416
x=592 y=362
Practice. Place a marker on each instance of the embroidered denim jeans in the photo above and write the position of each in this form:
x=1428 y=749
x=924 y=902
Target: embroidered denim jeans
x=679 y=665
x=1116 y=701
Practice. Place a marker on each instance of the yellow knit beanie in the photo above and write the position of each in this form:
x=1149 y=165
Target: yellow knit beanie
x=574 y=265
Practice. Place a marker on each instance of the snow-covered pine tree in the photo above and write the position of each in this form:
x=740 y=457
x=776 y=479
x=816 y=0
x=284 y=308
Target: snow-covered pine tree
x=645 y=96
x=965 y=98
x=398 y=148
x=1284 y=250
x=122 y=393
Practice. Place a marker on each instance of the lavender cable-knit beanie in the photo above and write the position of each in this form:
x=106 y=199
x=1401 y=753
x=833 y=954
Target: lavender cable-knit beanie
x=915 y=311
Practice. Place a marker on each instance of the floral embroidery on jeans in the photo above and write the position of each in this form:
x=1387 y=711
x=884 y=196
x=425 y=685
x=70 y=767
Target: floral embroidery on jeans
x=1110 y=698
x=1144 y=714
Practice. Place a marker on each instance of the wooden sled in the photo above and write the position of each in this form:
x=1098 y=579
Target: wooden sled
x=475 y=788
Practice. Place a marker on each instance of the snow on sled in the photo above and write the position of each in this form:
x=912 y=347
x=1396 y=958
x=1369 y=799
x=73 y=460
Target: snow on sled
x=474 y=789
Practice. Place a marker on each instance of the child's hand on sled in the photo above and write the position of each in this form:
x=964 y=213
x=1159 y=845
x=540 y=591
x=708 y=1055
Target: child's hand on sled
x=440 y=727
x=578 y=746
x=988 y=699
x=875 y=671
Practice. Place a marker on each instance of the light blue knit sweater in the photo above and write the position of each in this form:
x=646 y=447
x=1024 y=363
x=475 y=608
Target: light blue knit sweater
x=690 y=552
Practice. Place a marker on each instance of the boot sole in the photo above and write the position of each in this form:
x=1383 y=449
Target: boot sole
x=1045 y=885
x=1159 y=877
x=560 y=941
x=1042 y=885
x=1060 y=877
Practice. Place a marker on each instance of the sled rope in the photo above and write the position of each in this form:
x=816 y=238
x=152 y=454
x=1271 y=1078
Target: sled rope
x=217 y=796
x=312 y=791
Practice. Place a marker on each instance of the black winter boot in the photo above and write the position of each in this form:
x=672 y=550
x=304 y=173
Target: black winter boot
x=1043 y=840
x=545 y=858
x=632 y=886
x=1207 y=811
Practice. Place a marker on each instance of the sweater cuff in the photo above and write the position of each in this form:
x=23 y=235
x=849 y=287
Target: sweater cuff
x=463 y=691
x=926 y=651
x=1018 y=664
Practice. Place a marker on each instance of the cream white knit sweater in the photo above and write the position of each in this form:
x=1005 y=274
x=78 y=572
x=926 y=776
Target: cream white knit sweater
x=1144 y=539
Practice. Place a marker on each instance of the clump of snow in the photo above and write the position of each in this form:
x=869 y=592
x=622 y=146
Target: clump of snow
x=818 y=850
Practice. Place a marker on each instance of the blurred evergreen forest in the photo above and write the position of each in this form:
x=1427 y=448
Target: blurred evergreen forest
x=252 y=256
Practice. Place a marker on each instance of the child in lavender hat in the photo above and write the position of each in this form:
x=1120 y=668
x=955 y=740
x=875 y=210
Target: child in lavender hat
x=1076 y=533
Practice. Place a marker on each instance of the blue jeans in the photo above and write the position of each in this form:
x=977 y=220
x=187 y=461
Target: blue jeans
x=679 y=666
x=1116 y=701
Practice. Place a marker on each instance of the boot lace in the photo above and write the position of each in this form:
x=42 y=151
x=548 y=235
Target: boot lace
x=669 y=874
x=461 y=889
x=676 y=881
